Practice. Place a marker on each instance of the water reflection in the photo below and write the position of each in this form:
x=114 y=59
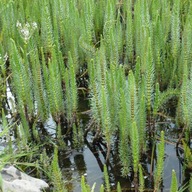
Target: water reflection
x=171 y=162
x=89 y=162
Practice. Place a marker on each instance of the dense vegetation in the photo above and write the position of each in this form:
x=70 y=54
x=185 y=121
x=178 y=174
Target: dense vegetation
x=128 y=57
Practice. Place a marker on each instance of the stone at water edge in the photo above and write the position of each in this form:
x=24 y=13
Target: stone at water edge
x=15 y=181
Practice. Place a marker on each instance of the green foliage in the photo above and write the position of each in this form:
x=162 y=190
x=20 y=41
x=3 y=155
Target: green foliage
x=47 y=38
x=124 y=149
x=56 y=175
x=190 y=184
x=174 y=186
x=1 y=183
x=71 y=89
x=149 y=76
x=38 y=86
x=175 y=28
x=54 y=87
x=160 y=163
x=141 y=179
x=136 y=56
x=119 y=187
x=106 y=179
x=84 y=186
x=187 y=155
x=135 y=147
x=102 y=188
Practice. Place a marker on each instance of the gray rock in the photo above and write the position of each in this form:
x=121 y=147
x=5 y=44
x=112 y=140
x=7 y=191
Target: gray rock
x=16 y=181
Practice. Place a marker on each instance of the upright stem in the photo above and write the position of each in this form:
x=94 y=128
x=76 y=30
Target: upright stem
x=152 y=159
x=136 y=182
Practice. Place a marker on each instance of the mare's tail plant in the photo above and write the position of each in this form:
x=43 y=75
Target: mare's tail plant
x=174 y=186
x=106 y=179
x=85 y=187
x=56 y=175
x=71 y=90
x=141 y=179
x=119 y=187
x=160 y=163
x=22 y=87
x=135 y=153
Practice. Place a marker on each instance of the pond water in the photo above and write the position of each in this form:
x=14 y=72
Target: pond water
x=86 y=162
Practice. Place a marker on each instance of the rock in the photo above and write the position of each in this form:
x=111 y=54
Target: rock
x=15 y=181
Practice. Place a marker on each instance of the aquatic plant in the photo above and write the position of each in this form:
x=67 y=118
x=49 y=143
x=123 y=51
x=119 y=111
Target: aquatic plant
x=141 y=179
x=187 y=155
x=56 y=175
x=160 y=163
x=131 y=56
x=190 y=184
x=119 y=187
x=174 y=186
x=83 y=184
x=135 y=151
x=106 y=177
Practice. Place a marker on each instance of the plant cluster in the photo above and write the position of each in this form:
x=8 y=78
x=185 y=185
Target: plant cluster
x=130 y=57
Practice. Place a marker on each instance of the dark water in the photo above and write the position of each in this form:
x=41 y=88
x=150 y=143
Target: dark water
x=84 y=162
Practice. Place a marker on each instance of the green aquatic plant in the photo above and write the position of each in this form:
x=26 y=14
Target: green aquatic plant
x=38 y=86
x=84 y=186
x=175 y=29
x=3 y=78
x=71 y=90
x=135 y=152
x=119 y=187
x=160 y=163
x=22 y=87
x=106 y=178
x=129 y=32
x=124 y=151
x=184 y=111
x=141 y=179
x=131 y=56
x=102 y=188
x=149 y=79
x=47 y=38
x=55 y=173
x=54 y=88
x=174 y=186
x=187 y=155
x=190 y=184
